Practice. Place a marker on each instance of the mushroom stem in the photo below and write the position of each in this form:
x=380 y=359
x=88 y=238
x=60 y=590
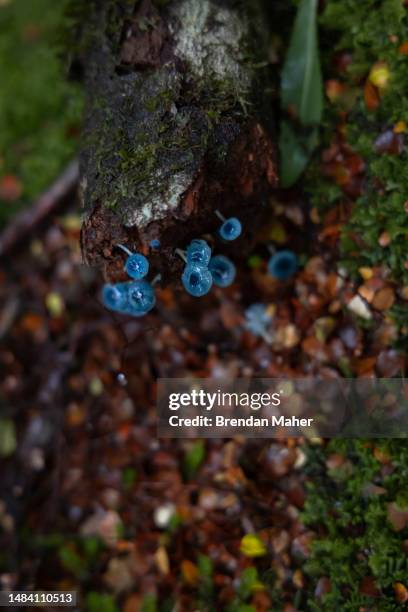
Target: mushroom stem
x=220 y=215
x=125 y=249
x=181 y=254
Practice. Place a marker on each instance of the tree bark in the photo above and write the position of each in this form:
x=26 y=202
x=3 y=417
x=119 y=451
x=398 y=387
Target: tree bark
x=178 y=125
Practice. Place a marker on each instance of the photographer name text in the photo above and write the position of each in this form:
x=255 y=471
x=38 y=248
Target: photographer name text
x=250 y=421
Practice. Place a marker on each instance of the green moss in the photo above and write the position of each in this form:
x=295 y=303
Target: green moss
x=372 y=31
x=40 y=111
x=357 y=539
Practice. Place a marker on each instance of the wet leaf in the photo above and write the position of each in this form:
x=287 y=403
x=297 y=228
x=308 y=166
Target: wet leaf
x=401 y=592
x=8 y=440
x=100 y=602
x=10 y=188
x=389 y=143
x=398 y=517
x=371 y=96
x=190 y=572
x=193 y=459
x=380 y=75
x=369 y=587
x=295 y=150
x=384 y=299
x=252 y=546
x=249 y=582
x=301 y=85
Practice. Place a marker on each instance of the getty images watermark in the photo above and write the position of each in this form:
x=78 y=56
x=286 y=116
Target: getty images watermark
x=270 y=408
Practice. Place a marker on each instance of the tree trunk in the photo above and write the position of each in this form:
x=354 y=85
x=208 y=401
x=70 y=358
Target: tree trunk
x=178 y=125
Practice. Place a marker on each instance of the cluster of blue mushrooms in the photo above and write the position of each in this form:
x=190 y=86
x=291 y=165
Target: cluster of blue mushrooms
x=203 y=270
x=135 y=297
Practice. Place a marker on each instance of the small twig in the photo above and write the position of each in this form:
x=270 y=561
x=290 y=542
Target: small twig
x=47 y=203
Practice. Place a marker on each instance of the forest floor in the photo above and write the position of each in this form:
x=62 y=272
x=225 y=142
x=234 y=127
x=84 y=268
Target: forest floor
x=91 y=499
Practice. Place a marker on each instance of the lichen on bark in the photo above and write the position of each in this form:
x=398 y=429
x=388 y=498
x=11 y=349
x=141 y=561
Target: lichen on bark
x=175 y=97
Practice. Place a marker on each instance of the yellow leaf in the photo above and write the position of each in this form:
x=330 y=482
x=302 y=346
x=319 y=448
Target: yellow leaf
x=54 y=303
x=379 y=75
x=252 y=546
x=190 y=572
x=162 y=560
x=400 y=127
x=366 y=273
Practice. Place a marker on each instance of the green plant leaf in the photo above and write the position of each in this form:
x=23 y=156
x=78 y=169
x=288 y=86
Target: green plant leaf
x=8 y=437
x=193 y=459
x=100 y=602
x=295 y=150
x=301 y=81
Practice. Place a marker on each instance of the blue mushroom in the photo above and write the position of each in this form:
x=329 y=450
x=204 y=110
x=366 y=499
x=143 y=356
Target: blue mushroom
x=114 y=297
x=258 y=319
x=197 y=280
x=198 y=252
x=231 y=229
x=137 y=266
x=141 y=298
x=222 y=270
x=283 y=264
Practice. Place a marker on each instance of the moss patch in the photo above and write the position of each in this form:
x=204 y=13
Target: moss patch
x=39 y=110
x=357 y=502
x=372 y=33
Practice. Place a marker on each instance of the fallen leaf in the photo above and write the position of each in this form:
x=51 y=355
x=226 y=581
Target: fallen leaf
x=384 y=299
x=398 y=517
x=11 y=188
x=380 y=75
x=371 y=96
x=106 y=525
x=403 y=48
x=358 y=306
x=401 y=592
x=252 y=546
x=190 y=572
x=323 y=587
x=162 y=560
x=369 y=587
x=389 y=143
x=8 y=437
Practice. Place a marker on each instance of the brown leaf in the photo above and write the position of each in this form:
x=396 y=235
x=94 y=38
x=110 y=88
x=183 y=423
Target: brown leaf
x=397 y=517
x=390 y=363
x=371 y=96
x=369 y=587
x=401 y=592
x=381 y=456
x=10 y=188
x=162 y=560
x=390 y=143
x=323 y=587
x=279 y=460
x=384 y=299
x=301 y=544
x=335 y=461
x=190 y=572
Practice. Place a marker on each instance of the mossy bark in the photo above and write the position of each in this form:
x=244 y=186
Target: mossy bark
x=178 y=125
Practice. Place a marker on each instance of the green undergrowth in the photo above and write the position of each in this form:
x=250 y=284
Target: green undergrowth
x=371 y=31
x=40 y=111
x=356 y=491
